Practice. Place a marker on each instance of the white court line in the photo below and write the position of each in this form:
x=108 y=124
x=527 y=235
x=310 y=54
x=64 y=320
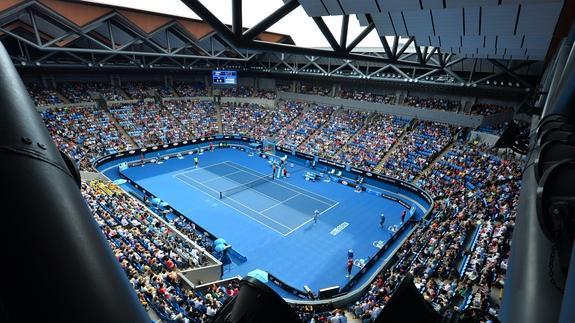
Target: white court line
x=308 y=221
x=329 y=208
x=194 y=168
x=219 y=177
x=299 y=226
x=280 y=203
x=236 y=208
x=249 y=188
x=289 y=188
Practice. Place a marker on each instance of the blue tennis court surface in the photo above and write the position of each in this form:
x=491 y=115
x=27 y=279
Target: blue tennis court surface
x=280 y=206
x=271 y=223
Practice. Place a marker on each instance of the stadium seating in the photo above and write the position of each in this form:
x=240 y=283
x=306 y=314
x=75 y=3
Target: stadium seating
x=488 y=109
x=367 y=96
x=199 y=118
x=77 y=92
x=367 y=148
x=304 y=126
x=43 y=96
x=248 y=92
x=184 y=89
x=419 y=147
x=242 y=119
x=432 y=103
x=140 y=90
x=151 y=256
x=334 y=134
x=149 y=124
x=314 y=90
x=84 y=133
x=457 y=257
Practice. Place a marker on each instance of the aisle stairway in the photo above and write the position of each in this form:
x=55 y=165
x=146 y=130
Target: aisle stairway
x=102 y=104
x=318 y=130
x=219 y=115
x=385 y=157
x=436 y=159
x=350 y=139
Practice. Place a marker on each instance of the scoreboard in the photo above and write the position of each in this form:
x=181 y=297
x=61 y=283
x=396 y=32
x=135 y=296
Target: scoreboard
x=224 y=77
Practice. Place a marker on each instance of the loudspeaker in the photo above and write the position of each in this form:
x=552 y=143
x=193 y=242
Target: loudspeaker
x=407 y=305
x=256 y=302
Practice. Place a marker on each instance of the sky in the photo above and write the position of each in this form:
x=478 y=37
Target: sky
x=297 y=24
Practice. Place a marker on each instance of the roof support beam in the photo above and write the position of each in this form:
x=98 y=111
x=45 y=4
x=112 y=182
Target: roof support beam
x=505 y=70
x=394 y=49
x=344 y=27
x=212 y=20
x=386 y=47
x=111 y=32
x=405 y=46
x=57 y=39
x=268 y=21
x=36 y=32
x=360 y=37
x=510 y=71
x=327 y=33
x=420 y=56
x=455 y=76
x=237 y=18
x=428 y=56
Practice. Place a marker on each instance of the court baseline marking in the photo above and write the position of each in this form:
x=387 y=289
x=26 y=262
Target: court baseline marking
x=284 y=185
x=242 y=212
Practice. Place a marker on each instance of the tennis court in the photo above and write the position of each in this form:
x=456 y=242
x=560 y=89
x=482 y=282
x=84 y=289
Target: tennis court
x=274 y=203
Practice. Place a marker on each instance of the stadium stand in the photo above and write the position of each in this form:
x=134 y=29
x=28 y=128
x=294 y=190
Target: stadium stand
x=151 y=255
x=367 y=96
x=488 y=109
x=418 y=149
x=43 y=96
x=76 y=92
x=432 y=103
x=334 y=134
x=84 y=133
x=458 y=258
x=242 y=118
x=314 y=89
x=184 y=89
x=367 y=148
x=140 y=90
x=200 y=118
x=305 y=125
x=148 y=124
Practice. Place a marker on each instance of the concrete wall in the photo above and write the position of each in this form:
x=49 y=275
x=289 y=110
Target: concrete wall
x=497 y=118
x=65 y=105
x=399 y=110
x=225 y=99
x=202 y=275
x=266 y=83
x=486 y=138
x=90 y=176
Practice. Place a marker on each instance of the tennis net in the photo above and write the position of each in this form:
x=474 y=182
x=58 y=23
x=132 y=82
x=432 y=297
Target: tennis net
x=243 y=187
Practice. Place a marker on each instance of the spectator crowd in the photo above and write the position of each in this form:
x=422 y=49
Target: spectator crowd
x=458 y=255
